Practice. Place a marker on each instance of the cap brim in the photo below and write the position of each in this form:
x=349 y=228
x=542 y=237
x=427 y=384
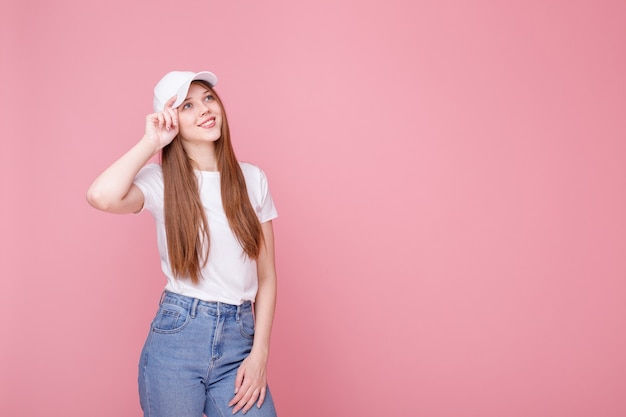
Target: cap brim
x=181 y=94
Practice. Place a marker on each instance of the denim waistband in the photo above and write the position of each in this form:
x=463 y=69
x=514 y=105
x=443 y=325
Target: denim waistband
x=211 y=307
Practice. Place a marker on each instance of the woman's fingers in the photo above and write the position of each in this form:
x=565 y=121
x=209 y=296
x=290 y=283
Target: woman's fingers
x=168 y=117
x=247 y=400
x=160 y=121
x=250 y=384
x=166 y=120
x=173 y=117
x=261 y=397
x=170 y=102
x=251 y=400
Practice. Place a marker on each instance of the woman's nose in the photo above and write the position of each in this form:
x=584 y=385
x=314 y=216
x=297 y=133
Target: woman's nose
x=205 y=109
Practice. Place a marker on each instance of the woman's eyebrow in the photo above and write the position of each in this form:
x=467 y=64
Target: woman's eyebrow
x=189 y=98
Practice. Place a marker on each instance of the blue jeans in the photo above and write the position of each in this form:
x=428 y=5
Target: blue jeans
x=190 y=360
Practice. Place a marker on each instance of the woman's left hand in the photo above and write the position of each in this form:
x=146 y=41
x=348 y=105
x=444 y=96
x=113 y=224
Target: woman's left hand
x=250 y=384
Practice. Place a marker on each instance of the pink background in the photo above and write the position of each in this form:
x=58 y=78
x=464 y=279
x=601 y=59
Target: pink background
x=450 y=177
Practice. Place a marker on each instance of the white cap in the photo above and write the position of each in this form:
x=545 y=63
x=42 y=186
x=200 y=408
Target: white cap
x=176 y=83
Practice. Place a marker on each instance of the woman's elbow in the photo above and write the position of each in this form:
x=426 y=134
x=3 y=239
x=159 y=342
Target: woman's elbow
x=97 y=199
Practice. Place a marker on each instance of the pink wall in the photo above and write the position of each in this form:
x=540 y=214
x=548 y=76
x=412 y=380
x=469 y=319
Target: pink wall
x=450 y=177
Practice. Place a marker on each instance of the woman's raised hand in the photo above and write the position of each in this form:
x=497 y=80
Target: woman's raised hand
x=162 y=127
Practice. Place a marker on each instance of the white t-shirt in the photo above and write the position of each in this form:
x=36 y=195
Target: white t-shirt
x=229 y=276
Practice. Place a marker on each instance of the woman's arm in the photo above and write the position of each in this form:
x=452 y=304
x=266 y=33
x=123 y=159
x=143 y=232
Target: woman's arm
x=113 y=191
x=251 y=382
x=265 y=303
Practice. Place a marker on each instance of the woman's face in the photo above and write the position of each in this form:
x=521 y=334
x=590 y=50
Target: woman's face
x=199 y=116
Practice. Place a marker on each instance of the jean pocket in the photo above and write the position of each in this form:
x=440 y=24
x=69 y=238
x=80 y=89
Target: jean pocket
x=246 y=324
x=170 y=319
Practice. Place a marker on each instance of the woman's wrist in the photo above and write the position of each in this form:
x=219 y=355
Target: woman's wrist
x=150 y=145
x=262 y=351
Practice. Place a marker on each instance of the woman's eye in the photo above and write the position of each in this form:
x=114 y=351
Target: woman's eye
x=209 y=98
x=186 y=106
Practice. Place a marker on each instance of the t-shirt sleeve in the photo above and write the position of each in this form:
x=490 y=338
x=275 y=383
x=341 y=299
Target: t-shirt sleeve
x=267 y=210
x=150 y=181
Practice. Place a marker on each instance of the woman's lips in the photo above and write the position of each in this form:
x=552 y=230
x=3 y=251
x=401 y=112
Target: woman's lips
x=209 y=123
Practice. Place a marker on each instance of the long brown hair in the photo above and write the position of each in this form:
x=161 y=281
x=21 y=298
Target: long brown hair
x=186 y=224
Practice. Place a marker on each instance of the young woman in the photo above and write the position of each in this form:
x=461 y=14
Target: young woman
x=208 y=345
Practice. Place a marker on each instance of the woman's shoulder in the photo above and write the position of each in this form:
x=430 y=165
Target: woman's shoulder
x=254 y=175
x=153 y=166
x=150 y=172
x=151 y=169
x=248 y=166
x=250 y=170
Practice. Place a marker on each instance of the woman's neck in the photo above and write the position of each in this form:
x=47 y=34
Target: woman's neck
x=202 y=156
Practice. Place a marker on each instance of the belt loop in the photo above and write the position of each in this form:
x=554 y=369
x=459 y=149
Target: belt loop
x=194 y=307
x=238 y=313
x=162 y=297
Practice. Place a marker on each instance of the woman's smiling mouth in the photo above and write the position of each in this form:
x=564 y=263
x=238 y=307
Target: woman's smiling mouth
x=209 y=123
